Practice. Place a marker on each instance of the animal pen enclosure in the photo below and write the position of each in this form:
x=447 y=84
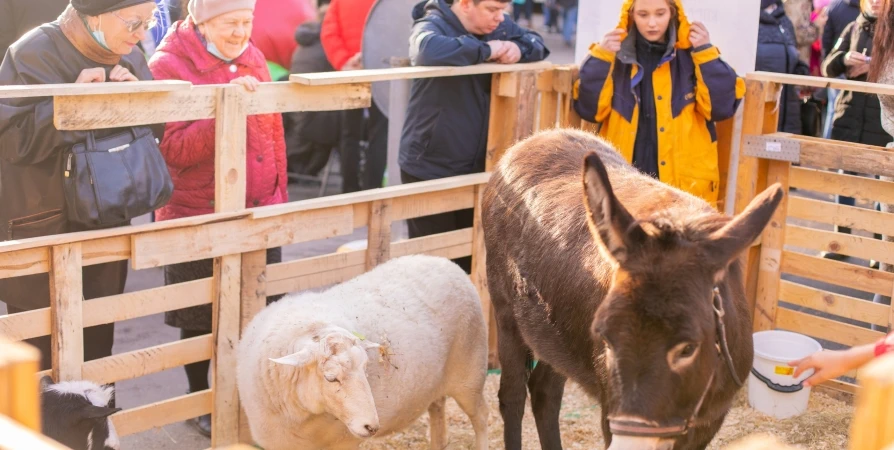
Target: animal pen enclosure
x=524 y=98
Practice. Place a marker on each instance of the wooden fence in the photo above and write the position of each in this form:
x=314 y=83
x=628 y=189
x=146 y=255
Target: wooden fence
x=792 y=287
x=525 y=98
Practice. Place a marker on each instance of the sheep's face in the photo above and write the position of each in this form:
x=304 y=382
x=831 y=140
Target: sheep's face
x=338 y=385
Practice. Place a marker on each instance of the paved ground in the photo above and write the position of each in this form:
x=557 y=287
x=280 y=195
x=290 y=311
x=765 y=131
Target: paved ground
x=149 y=331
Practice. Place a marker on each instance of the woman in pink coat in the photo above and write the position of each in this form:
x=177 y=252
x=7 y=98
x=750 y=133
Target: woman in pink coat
x=212 y=46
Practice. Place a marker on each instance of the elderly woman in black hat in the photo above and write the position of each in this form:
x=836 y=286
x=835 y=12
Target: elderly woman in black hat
x=92 y=41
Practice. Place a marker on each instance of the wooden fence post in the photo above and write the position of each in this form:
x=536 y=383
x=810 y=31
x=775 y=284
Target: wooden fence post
x=479 y=278
x=872 y=427
x=378 y=247
x=229 y=195
x=770 y=262
x=549 y=100
x=513 y=109
x=253 y=300
x=66 y=300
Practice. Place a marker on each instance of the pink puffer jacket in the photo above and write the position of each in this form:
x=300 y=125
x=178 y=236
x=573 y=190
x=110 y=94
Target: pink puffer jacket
x=188 y=147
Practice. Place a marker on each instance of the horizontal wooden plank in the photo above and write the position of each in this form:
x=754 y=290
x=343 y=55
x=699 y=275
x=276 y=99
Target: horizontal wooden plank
x=234 y=237
x=845 y=244
x=842 y=215
x=114 y=308
x=24 y=262
x=68 y=89
x=392 y=192
x=821 y=82
x=821 y=328
x=841 y=155
x=89 y=112
x=841 y=386
x=15 y=436
x=834 y=272
x=430 y=203
x=319 y=271
x=98 y=235
x=407 y=73
x=162 y=413
x=846 y=185
x=839 y=305
x=135 y=364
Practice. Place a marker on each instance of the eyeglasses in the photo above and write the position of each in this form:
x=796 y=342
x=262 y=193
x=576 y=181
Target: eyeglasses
x=134 y=25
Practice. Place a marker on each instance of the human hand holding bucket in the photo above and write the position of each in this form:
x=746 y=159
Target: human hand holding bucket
x=774 y=387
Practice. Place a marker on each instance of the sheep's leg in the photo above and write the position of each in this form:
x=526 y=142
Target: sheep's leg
x=438 y=423
x=547 y=387
x=474 y=405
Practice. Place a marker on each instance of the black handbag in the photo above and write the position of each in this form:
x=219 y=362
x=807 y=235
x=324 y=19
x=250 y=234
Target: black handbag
x=111 y=180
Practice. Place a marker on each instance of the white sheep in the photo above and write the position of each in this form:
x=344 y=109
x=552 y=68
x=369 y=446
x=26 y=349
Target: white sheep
x=367 y=357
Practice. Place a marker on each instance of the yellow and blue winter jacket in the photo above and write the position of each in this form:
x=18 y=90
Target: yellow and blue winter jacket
x=693 y=88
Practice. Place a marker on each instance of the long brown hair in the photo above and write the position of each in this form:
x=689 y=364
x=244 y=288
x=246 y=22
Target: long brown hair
x=882 y=42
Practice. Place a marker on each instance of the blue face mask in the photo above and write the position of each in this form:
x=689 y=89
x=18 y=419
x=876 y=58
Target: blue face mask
x=101 y=38
x=214 y=51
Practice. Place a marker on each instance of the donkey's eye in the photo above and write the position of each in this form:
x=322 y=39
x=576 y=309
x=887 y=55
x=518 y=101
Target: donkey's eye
x=687 y=351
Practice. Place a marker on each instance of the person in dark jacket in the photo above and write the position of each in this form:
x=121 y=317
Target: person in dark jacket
x=840 y=14
x=17 y=17
x=92 y=41
x=777 y=51
x=310 y=136
x=857 y=114
x=445 y=133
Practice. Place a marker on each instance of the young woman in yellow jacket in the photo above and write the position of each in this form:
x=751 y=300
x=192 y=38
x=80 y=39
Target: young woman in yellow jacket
x=657 y=85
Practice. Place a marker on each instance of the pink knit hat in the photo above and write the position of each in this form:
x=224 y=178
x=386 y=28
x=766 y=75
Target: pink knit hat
x=205 y=10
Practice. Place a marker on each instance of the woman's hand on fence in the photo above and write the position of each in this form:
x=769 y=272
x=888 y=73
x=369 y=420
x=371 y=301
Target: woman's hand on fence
x=612 y=41
x=94 y=75
x=119 y=73
x=249 y=82
x=698 y=35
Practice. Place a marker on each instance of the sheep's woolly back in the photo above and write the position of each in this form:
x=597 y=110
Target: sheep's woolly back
x=97 y=395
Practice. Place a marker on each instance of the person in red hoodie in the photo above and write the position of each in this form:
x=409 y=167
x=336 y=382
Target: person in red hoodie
x=212 y=46
x=341 y=36
x=274 y=30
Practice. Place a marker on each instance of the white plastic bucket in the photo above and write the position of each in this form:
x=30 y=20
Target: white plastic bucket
x=772 y=389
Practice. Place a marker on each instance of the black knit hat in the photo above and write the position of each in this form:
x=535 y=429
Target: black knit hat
x=766 y=3
x=97 y=7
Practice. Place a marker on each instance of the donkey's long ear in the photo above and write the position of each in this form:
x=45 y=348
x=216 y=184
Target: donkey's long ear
x=727 y=243
x=609 y=221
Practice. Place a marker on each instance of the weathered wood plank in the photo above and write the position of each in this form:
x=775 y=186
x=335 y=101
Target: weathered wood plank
x=162 y=413
x=479 y=276
x=845 y=244
x=432 y=203
x=226 y=320
x=821 y=82
x=406 y=73
x=87 y=112
x=831 y=303
x=230 y=136
x=240 y=236
x=829 y=330
x=842 y=155
x=842 y=215
x=772 y=243
x=842 y=274
x=83 y=89
x=845 y=185
x=66 y=297
x=138 y=363
x=254 y=286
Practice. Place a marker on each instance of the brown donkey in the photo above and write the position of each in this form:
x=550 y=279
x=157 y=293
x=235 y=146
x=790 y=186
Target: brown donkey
x=625 y=285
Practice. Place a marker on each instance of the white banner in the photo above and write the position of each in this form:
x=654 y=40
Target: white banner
x=732 y=24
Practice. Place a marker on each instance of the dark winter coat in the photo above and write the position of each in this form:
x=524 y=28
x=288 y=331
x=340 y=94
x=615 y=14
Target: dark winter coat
x=857 y=115
x=777 y=51
x=445 y=133
x=321 y=127
x=841 y=14
x=17 y=17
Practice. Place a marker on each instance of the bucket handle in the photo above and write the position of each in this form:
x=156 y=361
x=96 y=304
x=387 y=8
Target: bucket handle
x=777 y=387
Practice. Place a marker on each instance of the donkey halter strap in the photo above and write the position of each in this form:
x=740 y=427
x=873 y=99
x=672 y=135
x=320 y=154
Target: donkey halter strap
x=638 y=429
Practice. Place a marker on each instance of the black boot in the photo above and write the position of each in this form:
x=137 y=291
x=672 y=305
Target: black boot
x=202 y=424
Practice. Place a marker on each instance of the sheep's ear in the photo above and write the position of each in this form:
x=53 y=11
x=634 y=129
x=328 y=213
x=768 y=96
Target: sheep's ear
x=45 y=382
x=300 y=358
x=94 y=413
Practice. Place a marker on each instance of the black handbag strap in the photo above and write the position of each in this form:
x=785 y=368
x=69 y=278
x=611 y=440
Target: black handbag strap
x=91 y=138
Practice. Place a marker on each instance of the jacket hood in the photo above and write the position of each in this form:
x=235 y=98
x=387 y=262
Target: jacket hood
x=185 y=41
x=308 y=33
x=682 y=30
x=772 y=18
x=437 y=7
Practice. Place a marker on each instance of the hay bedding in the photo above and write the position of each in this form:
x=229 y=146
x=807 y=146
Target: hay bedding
x=823 y=427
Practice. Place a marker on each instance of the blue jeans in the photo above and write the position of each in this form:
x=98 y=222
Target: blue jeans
x=569 y=24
